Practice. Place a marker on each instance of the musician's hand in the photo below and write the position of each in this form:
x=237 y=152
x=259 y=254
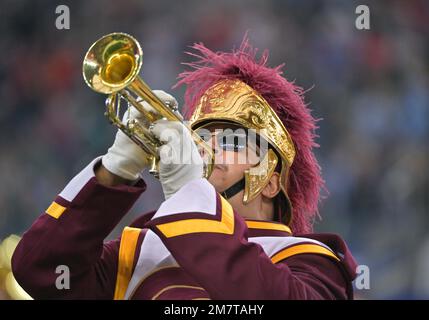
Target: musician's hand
x=124 y=158
x=165 y=97
x=180 y=161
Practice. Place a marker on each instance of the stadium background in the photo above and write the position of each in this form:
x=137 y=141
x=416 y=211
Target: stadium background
x=369 y=87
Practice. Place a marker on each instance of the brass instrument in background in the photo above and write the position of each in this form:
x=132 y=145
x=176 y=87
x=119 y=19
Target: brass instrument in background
x=8 y=283
x=111 y=66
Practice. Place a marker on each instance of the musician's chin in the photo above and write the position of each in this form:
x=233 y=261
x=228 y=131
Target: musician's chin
x=218 y=179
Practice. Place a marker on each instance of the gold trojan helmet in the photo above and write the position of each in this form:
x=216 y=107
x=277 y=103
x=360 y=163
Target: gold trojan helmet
x=233 y=101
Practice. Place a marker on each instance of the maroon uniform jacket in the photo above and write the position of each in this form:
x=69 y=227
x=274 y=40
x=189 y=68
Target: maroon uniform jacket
x=195 y=246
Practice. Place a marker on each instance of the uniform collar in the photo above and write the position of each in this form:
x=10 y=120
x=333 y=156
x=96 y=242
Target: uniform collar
x=260 y=228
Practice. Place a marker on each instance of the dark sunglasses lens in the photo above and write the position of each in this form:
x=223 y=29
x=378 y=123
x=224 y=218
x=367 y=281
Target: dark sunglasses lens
x=232 y=142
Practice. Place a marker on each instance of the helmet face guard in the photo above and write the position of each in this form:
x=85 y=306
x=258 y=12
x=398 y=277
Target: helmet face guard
x=233 y=101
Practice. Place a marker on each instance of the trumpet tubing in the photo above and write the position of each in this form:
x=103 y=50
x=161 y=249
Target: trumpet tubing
x=111 y=66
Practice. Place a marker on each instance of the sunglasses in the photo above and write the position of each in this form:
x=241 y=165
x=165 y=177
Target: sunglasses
x=235 y=139
x=235 y=142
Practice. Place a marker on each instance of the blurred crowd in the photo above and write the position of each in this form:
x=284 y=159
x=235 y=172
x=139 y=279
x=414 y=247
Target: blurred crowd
x=369 y=88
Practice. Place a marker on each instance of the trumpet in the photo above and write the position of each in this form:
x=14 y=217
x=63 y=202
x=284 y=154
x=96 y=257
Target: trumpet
x=111 y=66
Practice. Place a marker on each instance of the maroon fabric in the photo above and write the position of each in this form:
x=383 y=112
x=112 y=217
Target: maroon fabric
x=175 y=279
x=267 y=233
x=75 y=240
x=230 y=267
x=226 y=266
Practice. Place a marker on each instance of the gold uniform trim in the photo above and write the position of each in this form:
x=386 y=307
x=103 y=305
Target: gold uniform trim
x=188 y=226
x=265 y=225
x=300 y=249
x=55 y=210
x=127 y=251
x=156 y=296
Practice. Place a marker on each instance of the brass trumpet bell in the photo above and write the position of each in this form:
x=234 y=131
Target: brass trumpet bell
x=111 y=66
x=112 y=63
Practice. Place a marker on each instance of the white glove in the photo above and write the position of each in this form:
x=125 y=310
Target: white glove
x=180 y=161
x=125 y=158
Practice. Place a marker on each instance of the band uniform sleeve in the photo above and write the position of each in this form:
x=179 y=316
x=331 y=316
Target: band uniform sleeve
x=70 y=234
